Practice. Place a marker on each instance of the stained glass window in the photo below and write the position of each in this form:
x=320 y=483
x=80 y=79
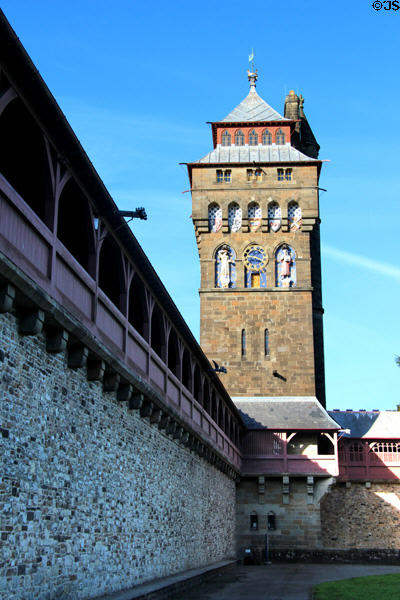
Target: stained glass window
x=214 y=218
x=274 y=216
x=294 y=216
x=234 y=217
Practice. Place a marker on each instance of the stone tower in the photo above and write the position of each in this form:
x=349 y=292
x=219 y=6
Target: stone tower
x=256 y=218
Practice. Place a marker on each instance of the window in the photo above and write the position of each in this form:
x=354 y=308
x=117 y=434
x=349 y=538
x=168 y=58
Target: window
x=224 y=176
x=234 y=217
x=274 y=216
x=226 y=138
x=280 y=137
x=227 y=176
x=254 y=214
x=249 y=174
x=254 y=175
x=285 y=267
x=288 y=174
x=281 y=175
x=258 y=174
x=225 y=267
x=253 y=138
x=266 y=342
x=266 y=138
x=243 y=342
x=214 y=218
x=294 y=216
x=239 y=138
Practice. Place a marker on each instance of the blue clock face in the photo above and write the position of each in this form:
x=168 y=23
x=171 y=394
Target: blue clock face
x=255 y=258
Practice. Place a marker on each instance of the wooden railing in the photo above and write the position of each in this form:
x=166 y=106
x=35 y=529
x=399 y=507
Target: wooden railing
x=369 y=460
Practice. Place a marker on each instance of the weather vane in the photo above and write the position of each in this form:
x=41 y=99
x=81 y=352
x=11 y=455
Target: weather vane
x=251 y=60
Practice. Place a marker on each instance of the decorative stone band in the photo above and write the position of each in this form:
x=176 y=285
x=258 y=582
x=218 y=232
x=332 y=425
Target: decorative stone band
x=18 y=292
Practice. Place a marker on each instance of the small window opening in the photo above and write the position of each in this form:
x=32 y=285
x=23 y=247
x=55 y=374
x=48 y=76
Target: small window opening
x=243 y=342
x=249 y=174
x=227 y=176
x=220 y=176
x=281 y=175
x=266 y=342
x=288 y=174
x=258 y=174
x=254 y=521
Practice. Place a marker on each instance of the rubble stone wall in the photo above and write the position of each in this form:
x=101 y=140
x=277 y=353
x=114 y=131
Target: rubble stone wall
x=93 y=498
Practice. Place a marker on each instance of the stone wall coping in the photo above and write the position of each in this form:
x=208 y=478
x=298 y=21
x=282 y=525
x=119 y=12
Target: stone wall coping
x=183 y=580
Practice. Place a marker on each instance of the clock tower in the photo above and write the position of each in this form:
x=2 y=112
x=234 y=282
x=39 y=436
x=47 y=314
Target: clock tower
x=256 y=218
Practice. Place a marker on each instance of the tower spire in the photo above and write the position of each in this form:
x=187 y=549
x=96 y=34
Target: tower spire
x=252 y=75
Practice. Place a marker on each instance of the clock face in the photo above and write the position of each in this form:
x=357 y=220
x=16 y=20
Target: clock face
x=255 y=258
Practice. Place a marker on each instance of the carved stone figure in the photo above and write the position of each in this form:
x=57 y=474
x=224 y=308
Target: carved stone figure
x=225 y=271
x=285 y=260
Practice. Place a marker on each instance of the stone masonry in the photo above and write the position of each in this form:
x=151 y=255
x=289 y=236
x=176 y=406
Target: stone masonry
x=288 y=314
x=93 y=498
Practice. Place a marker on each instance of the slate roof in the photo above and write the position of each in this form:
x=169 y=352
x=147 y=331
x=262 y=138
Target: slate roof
x=369 y=424
x=303 y=412
x=258 y=154
x=253 y=108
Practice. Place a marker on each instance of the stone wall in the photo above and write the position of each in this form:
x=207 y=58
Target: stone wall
x=361 y=517
x=298 y=524
x=93 y=498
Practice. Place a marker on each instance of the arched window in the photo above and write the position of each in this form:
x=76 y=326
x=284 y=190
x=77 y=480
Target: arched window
x=239 y=138
x=186 y=370
x=226 y=138
x=234 y=217
x=254 y=214
x=173 y=354
x=214 y=217
x=197 y=387
x=285 y=267
x=23 y=160
x=206 y=397
x=111 y=279
x=138 y=312
x=274 y=217
x=221 y=419
x=243 y=342
x=294 y=216
x=214 y=409
x=75 y=229
x=255 y=260
x=266 y=342
x=157 y=335
x=266 y=138
x=253 y=138
x=280 y=137
x=225 y=267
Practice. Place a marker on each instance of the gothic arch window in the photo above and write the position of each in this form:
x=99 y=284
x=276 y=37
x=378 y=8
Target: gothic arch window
x=157 y=334
x=274 y=217
x=138 y=312
x=75 y=228
x=23 y=160
x=294 y=216
x=186 y=370
x=253 y=138
x=266 y=138
x=239 y=138
x=111 y=278
x=225 y=267
x=280 y=137
x=234 y=217
x=226 y=138
x=197 y=387
x=255 y=262
x=173 y=353
x=214 y=217
x=285 y=267
x=254 y=214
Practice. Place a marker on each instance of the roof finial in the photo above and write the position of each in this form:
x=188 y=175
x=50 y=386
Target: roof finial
x=252 y=75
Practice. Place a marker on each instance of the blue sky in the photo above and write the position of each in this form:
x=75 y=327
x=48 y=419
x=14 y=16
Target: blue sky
x=137 y=81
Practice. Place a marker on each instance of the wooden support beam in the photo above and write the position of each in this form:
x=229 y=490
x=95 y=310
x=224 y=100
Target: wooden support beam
x=77 y=357
x=31 y=323
x=56 y=340
x=95 y=369
x=125 y=392
x=7 y=296
x=185 y=437
x=178 y=433
x=170 y=429
x=136 y=401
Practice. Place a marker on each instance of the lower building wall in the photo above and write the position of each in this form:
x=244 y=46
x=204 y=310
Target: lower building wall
x=361 y=517
x=297 y=514
x=93 y=498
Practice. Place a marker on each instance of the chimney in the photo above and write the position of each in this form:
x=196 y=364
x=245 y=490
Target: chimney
x=292 y=106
